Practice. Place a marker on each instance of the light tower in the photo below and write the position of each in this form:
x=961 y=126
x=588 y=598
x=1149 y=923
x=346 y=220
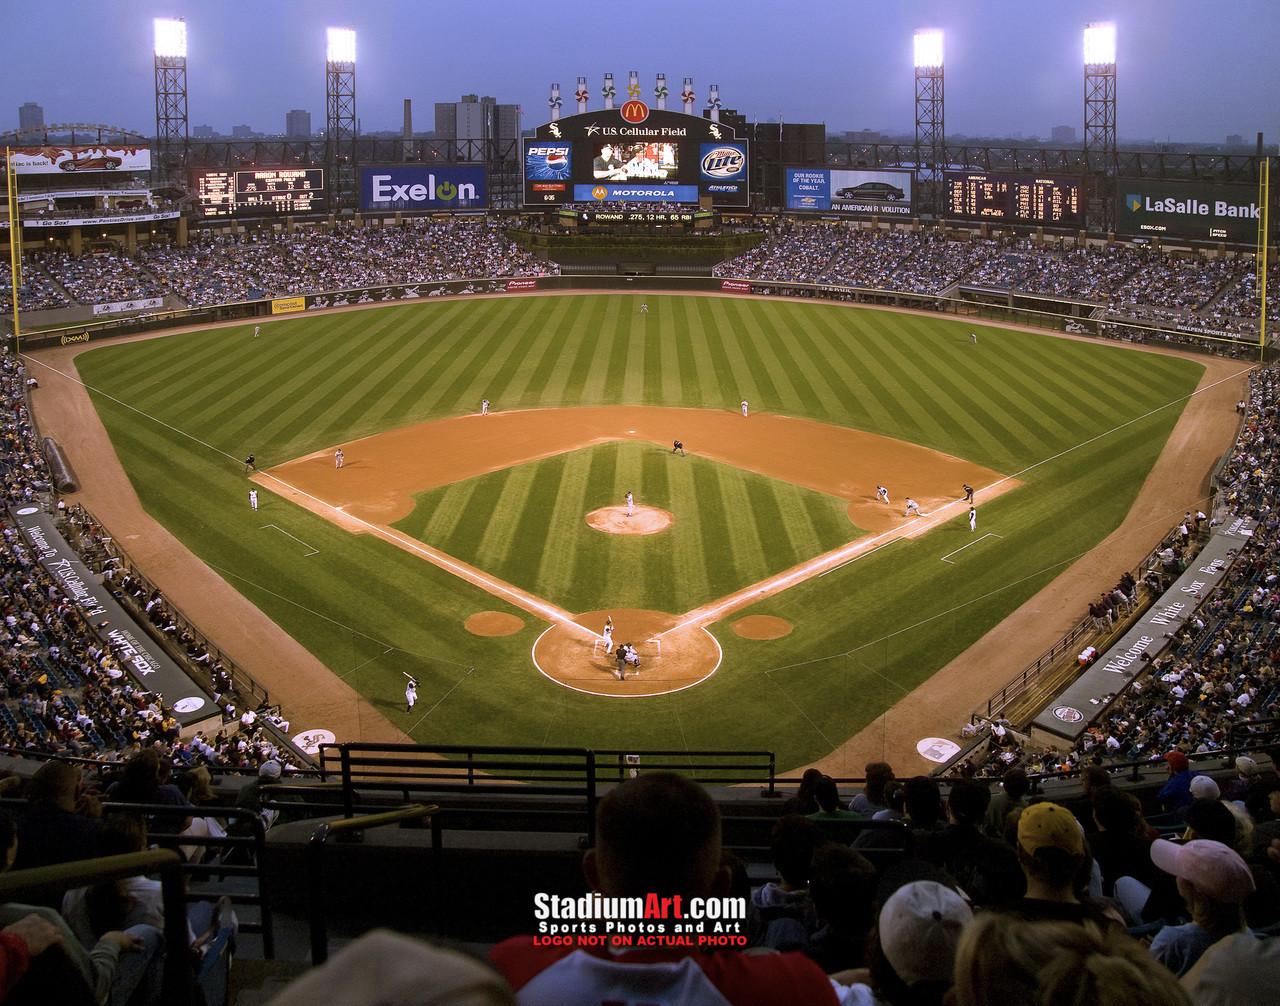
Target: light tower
x=340 y=105
x=1100 y=156
x=171 y=90
x=931 y=136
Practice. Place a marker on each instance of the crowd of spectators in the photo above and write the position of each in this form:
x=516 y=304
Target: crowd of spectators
x=62 y=690
x=102 y=278
x=1222 y=667
x=1132 y=281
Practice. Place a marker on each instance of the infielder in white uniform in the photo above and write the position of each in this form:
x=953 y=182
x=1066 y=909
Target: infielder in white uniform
x=911 y=507
x=744 y=408
x=973 y=519
x=882 y=494
x=337 y=458
x=484 y=406
x=631 y=504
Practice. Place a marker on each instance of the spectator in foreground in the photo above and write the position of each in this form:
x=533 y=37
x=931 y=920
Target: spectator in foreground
x=1214 y=881
x=791 y=846
x=658 y=834
x=872 y=799
x=1056 y=862
x=912 y=950
x=1005 y=960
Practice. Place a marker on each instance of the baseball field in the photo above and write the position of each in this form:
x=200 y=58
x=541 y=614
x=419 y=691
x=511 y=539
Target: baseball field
x=449 y=543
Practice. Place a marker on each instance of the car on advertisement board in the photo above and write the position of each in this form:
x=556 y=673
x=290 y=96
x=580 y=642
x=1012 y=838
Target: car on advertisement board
x=870 y=190
x=81 y=162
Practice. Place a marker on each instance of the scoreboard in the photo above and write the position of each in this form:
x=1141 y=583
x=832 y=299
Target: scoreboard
x=259 y=191
x=1023 y=199
x=635 y=154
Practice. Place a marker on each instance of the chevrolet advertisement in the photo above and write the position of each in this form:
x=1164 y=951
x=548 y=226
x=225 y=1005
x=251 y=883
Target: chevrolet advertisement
x=850 y=192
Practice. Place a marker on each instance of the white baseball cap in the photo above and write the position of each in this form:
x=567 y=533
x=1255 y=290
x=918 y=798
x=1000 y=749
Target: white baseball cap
x=920 y=926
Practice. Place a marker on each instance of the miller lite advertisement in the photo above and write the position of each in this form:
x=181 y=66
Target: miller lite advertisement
x=635 y=153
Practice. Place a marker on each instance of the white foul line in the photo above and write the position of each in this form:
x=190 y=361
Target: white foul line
x=314 y=551
x=989 y=534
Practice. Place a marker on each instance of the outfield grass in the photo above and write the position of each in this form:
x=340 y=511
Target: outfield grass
x=865 y=635
x=525 y=525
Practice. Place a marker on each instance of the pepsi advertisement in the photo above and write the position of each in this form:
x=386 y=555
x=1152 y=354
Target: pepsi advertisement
x=422 y=187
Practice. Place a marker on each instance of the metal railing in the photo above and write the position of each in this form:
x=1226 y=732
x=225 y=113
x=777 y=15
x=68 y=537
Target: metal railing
x=316 y=906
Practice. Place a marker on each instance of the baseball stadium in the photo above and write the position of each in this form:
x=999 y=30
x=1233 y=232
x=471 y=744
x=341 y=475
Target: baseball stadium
x=423 y=505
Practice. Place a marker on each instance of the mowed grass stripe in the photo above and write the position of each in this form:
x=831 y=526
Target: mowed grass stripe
x=485 y=363
x=554 y=358
x=691 y=555
x=508 y=510
x=973 y=391
x=733 y=385
x=743 y=349
x=788 y=386
x=561 y=552
x=826 y=394
x=538 y=354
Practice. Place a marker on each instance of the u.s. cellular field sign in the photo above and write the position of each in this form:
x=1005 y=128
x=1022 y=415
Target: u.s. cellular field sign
x=1195 y=210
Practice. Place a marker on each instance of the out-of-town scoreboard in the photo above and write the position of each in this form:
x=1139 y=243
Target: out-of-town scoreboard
x=259 y=191
x=1020 y=199
x=635 y=154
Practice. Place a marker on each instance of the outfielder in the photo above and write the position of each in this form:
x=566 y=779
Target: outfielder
x=882 y=494
x=973 y=519
x=644 y=308
x=257 y=331
x=973 y=337
x=337 y=458
x=912 y=507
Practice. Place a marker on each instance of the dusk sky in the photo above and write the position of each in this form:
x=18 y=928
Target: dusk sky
x=1186 y=71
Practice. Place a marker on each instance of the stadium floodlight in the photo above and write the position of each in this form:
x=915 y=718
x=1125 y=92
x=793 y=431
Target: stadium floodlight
x=342 y=45
x=929 y=47
x=171 y=38
x=1099 y=43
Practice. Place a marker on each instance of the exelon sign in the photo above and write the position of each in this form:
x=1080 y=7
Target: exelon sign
x=420 y=187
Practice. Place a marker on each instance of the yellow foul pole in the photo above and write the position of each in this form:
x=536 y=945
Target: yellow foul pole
x=15 y=241
x=1264 y=186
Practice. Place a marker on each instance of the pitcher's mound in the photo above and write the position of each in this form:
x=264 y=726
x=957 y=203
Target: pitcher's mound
x=614 y=519
x=671 y=658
